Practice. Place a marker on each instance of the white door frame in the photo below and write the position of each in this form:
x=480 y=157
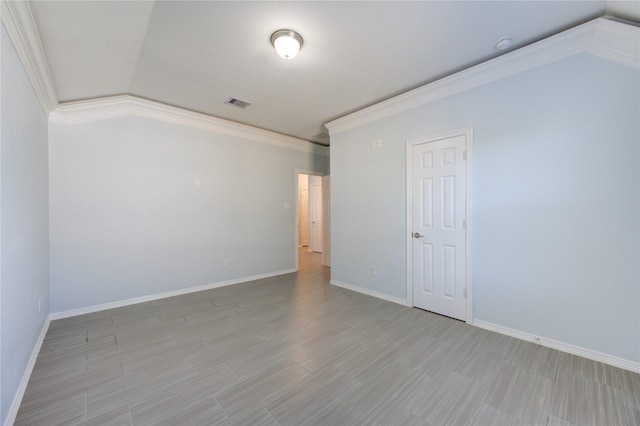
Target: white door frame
x=296 y=237
x=326 y=220
x=316 y=225
x=468 y=134
x=302 y=230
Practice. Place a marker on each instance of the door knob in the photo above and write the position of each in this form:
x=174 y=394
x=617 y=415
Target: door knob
x=417 y=235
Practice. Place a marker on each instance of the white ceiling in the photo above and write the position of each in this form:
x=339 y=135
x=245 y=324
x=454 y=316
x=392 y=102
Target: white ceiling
x=196 y=55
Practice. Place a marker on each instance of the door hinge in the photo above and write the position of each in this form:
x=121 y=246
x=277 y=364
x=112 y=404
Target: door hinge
x=464 y=155
x=464 y=224
x=464 y=292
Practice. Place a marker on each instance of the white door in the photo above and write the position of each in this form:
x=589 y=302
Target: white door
x=438 y=217
x=303 y=207
x=315 y=184
x=326 y=216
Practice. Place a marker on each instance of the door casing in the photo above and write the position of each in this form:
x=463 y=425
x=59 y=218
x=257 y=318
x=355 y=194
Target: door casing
x=326 y=220
x=296 y=207
x=315 y=214
x=303 y=210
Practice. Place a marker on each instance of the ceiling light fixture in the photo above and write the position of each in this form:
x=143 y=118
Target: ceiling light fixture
x=287 y=43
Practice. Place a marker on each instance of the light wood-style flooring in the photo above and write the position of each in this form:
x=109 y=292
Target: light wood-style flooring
x=294 y=350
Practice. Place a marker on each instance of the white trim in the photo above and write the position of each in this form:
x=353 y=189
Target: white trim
x=152 y=297
x=409 y=221
x=368 y=292
x=297 y=173
x=468 y=135
x=19 y=23
x=17 y=398
x=549 y=343
x=606 y=38
x=326 y=219
x=469 y=218
x=616 y=41
x=91 y=110
x=561 y=346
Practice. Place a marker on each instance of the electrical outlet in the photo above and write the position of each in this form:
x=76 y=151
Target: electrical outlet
x=225 y=263
x=378 y=143
x=373 y=271
x=200 y=182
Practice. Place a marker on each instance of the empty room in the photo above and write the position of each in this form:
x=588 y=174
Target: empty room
x=320 y=212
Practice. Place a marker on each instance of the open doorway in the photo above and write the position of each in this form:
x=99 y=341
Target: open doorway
x=310 y=212
x=312 y=215
x=303 y=210
x=315 y=214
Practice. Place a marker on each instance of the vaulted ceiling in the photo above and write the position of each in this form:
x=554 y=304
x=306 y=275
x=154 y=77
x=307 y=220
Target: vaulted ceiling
x=197 y=54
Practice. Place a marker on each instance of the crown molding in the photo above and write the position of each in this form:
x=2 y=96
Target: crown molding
x=21 y=28
x=603 y=37
x=18 y=21
x=617 y=41
x=73 y=113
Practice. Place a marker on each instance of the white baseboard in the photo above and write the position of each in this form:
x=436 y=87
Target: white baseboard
x=157 y=296
x=17 y=398
x=549 y=343
x=368 y=292
x=561 y=346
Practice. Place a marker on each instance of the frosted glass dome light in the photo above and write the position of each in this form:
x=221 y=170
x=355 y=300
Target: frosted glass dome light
x=287 y=43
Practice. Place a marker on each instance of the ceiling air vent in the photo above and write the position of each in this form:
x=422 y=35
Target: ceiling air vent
x=237 y=103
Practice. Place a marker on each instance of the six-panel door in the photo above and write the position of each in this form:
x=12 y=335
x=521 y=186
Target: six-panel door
x=438 y=216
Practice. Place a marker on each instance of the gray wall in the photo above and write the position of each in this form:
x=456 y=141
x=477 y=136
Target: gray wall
x=556 y=201
x=127 y=220
x=24 y=268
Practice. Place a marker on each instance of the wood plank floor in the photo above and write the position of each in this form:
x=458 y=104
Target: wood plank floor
x=294 y=350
